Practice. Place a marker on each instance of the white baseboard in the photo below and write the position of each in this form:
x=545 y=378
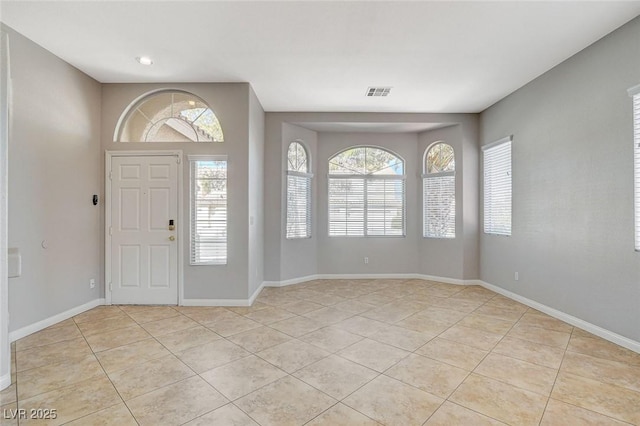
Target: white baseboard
x=41 y=325
x=399 y=276
x=215 y=302
x=256 y=294
x=5 y=381
x=456 y=281
x=291 y=281
x=577 y=322
x=225 y=302
x=570 y=319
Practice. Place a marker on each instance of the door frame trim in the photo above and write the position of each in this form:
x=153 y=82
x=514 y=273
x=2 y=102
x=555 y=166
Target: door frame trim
x=107 y=215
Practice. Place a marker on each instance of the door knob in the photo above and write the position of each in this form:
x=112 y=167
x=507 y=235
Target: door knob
x=172 y=238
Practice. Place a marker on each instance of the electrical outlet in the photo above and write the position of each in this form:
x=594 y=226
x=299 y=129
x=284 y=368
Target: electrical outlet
x=516 y=276
x=92 y=283
x=366 y=260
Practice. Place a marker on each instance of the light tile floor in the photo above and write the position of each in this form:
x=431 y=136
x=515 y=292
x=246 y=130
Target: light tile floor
x=338 y=352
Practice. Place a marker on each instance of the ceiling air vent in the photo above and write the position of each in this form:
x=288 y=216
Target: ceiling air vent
x=378 y=91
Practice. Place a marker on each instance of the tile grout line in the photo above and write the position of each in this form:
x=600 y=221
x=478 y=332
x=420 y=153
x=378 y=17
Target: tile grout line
x=108 y=378
x=170 y=352
x=468 y=373
x=338 y=401
x=564 y=353
x=195 y=374
x=333 y=291
x=556 y=379
x=54 y=363
x=479 y=362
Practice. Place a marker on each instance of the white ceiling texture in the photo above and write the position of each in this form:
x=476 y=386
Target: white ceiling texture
x=445 y=56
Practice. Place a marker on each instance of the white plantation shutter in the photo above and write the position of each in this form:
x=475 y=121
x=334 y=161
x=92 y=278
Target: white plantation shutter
x=635 y=92
x=208 y=210
x=497 y=188
x=298 y=205
x=439 y=204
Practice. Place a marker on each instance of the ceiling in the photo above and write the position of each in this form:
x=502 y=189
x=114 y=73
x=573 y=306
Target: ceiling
x=445 y=56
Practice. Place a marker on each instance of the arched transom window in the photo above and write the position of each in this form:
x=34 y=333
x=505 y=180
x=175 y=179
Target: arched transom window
x=170 y=116
x=298 y=192
x=366 y=193
x=439 y=192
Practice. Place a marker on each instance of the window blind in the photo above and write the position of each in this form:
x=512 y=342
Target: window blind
x=439 y=205
x=366 y=206
x=208 y=212
x=346 y=207
x=298 y=206
x=636 y=166
x=497 y=188
x=385 y=207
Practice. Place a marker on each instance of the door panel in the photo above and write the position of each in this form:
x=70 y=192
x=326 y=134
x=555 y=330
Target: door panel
x=129 y=209
x=130 y=266
x=159 y=208
x=159 y=261
x=144 y=260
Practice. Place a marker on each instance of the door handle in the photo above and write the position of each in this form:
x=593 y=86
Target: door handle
x=172 y=238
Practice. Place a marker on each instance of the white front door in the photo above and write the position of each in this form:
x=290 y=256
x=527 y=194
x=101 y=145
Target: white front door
x=144 y=251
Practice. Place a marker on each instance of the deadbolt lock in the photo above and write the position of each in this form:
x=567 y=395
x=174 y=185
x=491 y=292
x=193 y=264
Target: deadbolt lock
x=171 y=225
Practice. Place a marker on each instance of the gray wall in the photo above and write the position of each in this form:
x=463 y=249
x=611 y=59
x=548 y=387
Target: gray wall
x=286 y=259
x=5 y=350
x=231 y=104
x=345 y=255
x=299 y=256
x=272 y=196
x=54 y=168
x=457 y=257
x=572 y=237
x=256 y=192
x=290 y=259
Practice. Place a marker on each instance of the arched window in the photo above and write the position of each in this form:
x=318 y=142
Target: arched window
x=439 y=192
x=366 y=193
x=169 y=116
x=298 y=192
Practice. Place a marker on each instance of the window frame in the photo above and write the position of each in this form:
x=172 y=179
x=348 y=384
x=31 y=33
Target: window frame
x=193 y=159
x=308 y=175
x=634 y=93
x=425 y=176
x=365 y=178
x=506 y=141
x=134 y=106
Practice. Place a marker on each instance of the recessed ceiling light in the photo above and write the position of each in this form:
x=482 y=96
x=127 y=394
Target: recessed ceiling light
x=144 y=60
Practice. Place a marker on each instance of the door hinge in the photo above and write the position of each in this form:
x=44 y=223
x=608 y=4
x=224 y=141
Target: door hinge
x=110 y=230
x=110 y=286
x=110 y=175
x=178 y=160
